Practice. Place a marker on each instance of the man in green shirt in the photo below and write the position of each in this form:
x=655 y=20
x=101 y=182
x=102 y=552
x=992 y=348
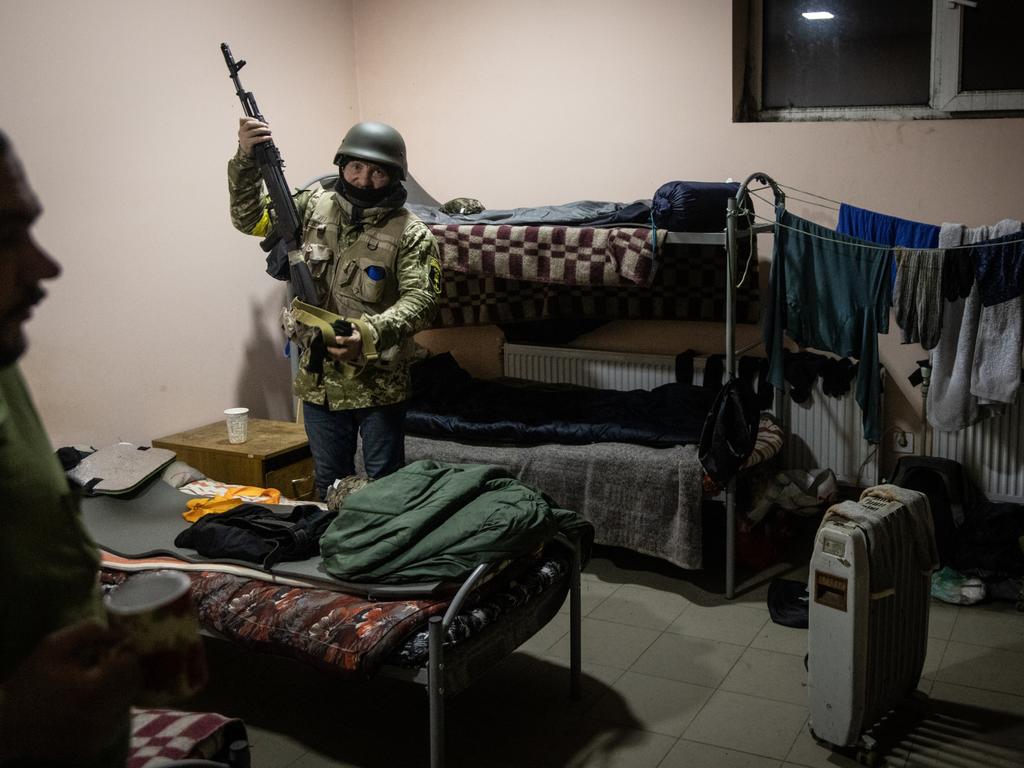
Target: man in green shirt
x=66 y=681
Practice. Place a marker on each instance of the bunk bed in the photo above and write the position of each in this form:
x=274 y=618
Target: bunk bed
x=528 y=270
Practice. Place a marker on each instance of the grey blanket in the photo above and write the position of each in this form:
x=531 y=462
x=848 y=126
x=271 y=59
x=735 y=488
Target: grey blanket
x=645 y=499
x=591 y=213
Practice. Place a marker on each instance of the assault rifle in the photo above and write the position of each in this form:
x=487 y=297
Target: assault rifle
x=285 y=238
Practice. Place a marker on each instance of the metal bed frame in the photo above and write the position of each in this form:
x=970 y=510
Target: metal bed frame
x=448 y=673
x=444 y=677
x=729 y=239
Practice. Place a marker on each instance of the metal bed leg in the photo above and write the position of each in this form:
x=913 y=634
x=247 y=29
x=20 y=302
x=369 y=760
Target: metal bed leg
x=730 y=540
x=435 y=689
x=732 y=211
x=575 y=627
x=730 y=372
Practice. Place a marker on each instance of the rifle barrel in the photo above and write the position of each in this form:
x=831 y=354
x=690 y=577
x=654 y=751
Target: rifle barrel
x=269 y=159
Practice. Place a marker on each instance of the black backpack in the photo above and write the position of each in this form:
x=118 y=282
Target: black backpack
x=258 y=534
x=950 y=496
x=730 y=431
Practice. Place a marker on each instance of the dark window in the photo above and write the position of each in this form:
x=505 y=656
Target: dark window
x=871 y=53
x=990 y=56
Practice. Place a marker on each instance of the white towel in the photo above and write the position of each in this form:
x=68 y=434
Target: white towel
x=952 y=405
x=997 y=356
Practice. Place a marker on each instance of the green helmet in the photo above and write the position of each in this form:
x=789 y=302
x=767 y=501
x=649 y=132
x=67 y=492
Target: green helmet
x=374 y=143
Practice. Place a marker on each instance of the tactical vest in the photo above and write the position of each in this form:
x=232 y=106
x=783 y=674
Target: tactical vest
x=361 y=279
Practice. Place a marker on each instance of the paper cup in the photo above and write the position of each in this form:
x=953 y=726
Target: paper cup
x=238 y=424
x=155 y=612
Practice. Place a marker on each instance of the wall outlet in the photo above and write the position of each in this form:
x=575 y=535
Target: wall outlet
x=903 y=442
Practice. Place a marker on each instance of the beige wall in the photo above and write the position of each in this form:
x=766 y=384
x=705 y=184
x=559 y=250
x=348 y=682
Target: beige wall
x=124 y=116
x=537 y=102
x=125 y=119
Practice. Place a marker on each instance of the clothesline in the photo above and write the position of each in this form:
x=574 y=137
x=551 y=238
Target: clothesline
x=802 y=200
x=964 y=309
x=864 y=246
x=814 y=194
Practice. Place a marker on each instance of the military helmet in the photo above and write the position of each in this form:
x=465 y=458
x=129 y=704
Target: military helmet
x=374 y=143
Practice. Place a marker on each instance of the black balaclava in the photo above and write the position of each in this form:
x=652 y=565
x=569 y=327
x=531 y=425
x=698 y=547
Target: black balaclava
x=391 y=196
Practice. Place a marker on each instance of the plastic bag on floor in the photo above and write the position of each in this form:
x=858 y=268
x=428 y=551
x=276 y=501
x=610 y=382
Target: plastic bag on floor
x=951 y=586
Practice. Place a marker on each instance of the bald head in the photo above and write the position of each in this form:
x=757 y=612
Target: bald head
x=23 y=264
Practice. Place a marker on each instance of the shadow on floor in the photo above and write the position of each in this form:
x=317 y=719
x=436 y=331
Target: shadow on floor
x=928 y=731
x=707 y=586
x=517 y=714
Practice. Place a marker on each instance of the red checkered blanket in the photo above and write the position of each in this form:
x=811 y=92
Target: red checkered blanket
x=549 y=254
x=689 y=285
x=160 y=735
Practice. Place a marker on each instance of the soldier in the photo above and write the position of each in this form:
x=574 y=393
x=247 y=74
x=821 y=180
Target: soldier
x=371 y=259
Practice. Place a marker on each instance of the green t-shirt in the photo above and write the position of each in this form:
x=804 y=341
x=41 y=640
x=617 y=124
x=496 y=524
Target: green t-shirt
x=48 y=564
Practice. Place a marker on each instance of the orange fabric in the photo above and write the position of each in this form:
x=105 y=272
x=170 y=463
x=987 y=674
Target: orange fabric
x=201 y=507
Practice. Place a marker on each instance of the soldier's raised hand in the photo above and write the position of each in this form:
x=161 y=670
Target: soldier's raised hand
x=251 y=132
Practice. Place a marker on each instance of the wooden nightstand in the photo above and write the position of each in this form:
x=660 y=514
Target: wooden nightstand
x=276 y=455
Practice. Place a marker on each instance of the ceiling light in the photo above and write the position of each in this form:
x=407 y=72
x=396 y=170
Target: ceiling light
x=817 y=15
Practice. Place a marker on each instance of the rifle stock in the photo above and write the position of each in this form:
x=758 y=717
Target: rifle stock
x=285 y=217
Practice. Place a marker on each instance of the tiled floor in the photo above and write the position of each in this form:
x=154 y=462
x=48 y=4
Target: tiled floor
x=674 y=676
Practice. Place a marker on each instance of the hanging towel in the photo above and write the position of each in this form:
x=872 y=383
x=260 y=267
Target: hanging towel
x=951 y=403
x=997 y=356
x=831 y=292
x=998 y=264
x=885 y=230
x=917 y=294
x=999 y=268
x=958 y=275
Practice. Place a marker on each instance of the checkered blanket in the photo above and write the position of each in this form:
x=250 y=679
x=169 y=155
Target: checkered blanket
x=549 y=254
x=162 y=735
x=689 y=284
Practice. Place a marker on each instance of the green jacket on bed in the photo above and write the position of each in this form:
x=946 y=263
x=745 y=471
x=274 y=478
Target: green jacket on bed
x=436 y=522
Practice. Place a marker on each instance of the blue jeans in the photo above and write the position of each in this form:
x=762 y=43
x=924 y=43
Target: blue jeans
x=332 y=440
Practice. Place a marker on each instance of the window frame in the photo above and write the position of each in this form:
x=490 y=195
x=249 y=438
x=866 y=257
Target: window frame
x=947 y=96
x=946 y=100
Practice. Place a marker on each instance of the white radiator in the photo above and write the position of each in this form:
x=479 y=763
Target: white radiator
x=865 y=652
x=992 y=451
x=590 y=368
x=825 y=432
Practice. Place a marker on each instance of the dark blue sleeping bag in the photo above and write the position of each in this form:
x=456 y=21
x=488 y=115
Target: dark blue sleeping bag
x=448 y=403
x=692 y=206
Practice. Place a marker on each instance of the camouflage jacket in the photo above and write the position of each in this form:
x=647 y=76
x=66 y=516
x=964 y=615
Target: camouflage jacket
x=417 y=274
